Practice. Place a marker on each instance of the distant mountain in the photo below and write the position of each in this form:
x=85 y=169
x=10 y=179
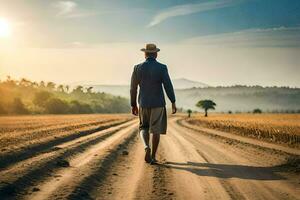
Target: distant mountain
x=123 y=90
x=183 y=83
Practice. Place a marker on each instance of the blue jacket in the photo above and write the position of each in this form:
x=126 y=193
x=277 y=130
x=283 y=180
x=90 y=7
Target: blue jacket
x=150 y=76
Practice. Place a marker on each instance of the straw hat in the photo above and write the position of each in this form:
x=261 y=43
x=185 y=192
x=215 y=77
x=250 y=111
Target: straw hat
x=150 y=48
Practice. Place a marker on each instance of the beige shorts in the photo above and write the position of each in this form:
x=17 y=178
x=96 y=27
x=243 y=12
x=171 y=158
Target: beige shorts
x=153 y=120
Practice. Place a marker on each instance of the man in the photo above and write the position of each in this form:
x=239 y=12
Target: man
x=150 y=76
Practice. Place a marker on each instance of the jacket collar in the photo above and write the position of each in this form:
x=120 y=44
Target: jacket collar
x=150 y=59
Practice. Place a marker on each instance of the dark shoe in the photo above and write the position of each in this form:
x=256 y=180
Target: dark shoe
x=153 y=161
x=148 y=155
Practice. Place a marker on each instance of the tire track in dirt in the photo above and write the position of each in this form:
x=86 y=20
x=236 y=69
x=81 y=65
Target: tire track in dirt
x=154 y=181
x=119 y=179
x=187 y=184
x=243 y=175
x=232 y=191
x=16 y=180
x=81 y=167
x=129 y=177
x=8 y=159
x=101 y=182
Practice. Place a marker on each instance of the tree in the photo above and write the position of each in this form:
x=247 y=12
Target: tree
x=57 y=106
x=78 y=90
x=50 y=85
x=80 y=108
x=89 y=90
x=34 y=84
x=257 y=110
x=24 y=82
x=41 y=98
x=206 y=105
x=189 y=111
x=18 y=107
x=42 y=84
x=67 y=88
x=60 y=88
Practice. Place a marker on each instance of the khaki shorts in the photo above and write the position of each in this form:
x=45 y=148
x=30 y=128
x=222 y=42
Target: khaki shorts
x=153 y=120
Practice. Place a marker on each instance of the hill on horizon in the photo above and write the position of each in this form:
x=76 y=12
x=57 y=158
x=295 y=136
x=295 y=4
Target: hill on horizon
x=178 y=83
x=183 y=83
x=123 y=90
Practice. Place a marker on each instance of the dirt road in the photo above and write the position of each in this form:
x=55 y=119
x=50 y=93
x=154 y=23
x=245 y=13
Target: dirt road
x=108 y=164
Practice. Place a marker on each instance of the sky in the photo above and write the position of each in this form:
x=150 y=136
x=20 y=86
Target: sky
x=218 y=42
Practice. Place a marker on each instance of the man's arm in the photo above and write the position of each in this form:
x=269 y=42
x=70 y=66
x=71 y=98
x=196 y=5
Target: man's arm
x=169 y=88
x=133 y=92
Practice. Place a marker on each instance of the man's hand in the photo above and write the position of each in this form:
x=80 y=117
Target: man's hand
x=135 y=110
x=174 y=109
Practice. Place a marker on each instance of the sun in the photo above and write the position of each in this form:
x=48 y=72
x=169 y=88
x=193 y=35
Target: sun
x=5 y=29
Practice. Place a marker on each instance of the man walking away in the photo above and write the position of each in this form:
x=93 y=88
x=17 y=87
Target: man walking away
x=150 y=76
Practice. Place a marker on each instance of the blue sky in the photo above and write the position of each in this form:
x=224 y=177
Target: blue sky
x=239 y=27
x=97 y=21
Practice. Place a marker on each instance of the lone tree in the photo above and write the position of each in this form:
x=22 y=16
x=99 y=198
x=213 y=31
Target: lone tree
x=189 y=111
x=206 y=105
x=257 y=111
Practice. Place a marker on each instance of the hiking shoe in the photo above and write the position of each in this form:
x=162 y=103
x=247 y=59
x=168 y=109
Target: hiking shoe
x=147 y=154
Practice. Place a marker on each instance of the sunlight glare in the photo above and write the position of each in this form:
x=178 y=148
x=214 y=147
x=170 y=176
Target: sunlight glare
x=5 y=29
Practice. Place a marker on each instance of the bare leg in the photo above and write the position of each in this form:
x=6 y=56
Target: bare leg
x=145 y=139
x=144 y=134
x=155 y=142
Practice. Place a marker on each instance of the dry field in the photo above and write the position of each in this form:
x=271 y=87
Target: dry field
x=22 y=135
x=280 y=128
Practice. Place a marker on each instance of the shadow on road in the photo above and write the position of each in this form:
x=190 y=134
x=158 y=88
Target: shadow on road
x=226 y=170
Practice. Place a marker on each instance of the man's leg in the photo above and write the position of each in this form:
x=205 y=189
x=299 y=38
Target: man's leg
x=155 y=142
x=144 y=134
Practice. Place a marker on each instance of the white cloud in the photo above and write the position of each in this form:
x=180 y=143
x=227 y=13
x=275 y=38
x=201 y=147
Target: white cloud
x=65 y=7
x=187 y=9
x=268 y=37
x=70 y=9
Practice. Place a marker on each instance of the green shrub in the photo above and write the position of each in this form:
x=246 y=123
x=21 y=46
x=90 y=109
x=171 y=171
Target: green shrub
x=80 y=108
x=57 y=106
x=18 y=107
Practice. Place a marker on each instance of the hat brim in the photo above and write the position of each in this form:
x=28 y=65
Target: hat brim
x=150 y=51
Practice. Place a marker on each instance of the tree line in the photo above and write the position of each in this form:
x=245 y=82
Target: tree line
x=28 y=97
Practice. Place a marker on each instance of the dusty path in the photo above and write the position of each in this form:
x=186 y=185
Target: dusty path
x=192 y=165
x=207 y=168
